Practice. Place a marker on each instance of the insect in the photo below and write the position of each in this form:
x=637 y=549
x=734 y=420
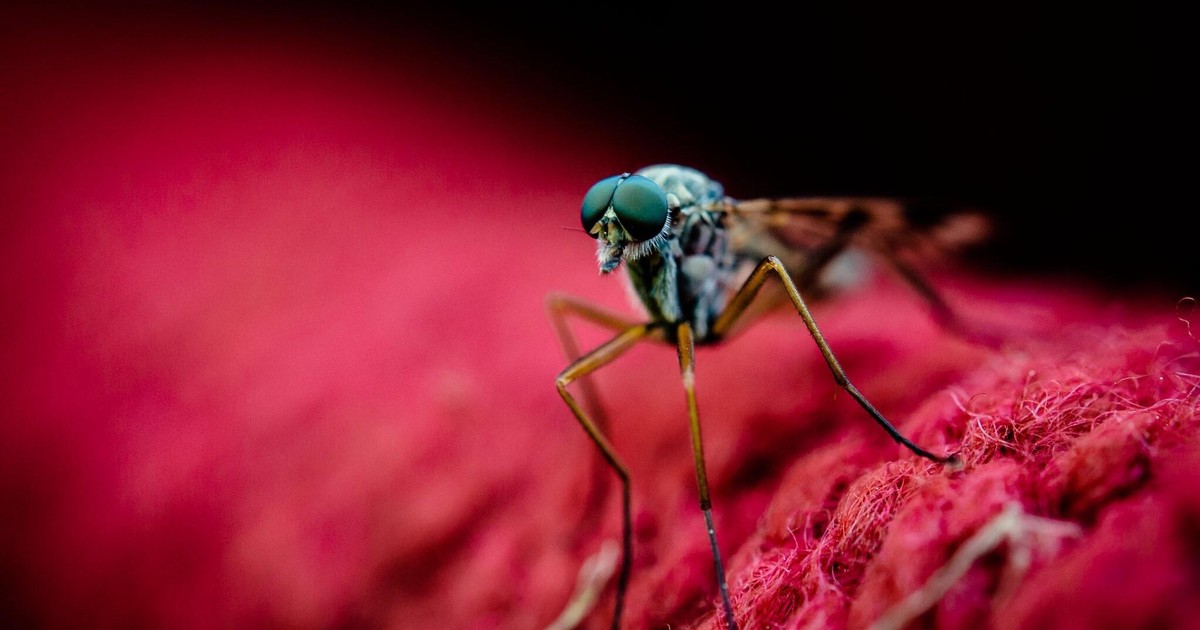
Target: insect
x=698 y=262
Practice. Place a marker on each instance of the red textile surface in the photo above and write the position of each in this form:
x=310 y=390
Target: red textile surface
x=276 y=356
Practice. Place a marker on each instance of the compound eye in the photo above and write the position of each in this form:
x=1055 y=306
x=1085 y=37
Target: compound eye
x=641 y=206
x=597 y=200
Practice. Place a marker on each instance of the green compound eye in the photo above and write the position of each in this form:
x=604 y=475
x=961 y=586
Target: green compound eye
x=597 y=200
x=641 y=206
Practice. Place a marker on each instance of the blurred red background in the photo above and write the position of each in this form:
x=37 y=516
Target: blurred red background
x=274 y=310
x=275 y=352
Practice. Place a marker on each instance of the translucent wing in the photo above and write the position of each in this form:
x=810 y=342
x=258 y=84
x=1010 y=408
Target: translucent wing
x=825 y=241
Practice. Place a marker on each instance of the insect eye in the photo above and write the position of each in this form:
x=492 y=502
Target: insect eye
x=597 y=200
x=641 y=205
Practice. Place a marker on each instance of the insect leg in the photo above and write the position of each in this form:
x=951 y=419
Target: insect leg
x=590 y=362
x=687 y=355
x=941 y=310
x=809 y=277
x=739 y=302
x=559 y=307
x=945 y=316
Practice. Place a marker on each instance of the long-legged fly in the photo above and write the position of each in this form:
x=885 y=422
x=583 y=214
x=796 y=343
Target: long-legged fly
x=696 y=260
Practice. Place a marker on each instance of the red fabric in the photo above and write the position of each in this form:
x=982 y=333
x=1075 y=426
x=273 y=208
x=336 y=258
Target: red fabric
x=275 y=355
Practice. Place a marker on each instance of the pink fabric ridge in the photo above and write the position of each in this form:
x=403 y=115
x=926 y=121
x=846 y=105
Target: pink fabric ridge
x=1074 y=507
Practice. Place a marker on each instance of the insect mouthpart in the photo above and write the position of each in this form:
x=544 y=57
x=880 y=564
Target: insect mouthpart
x=610 y=258
x=611 y=239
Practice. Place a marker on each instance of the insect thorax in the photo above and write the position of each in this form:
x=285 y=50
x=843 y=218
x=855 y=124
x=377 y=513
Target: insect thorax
x=689 y=275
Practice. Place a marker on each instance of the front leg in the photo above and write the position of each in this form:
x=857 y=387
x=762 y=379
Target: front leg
x=584 y=366
x=560 y=307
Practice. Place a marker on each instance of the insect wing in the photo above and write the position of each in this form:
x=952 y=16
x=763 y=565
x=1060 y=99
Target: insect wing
x=807 y=233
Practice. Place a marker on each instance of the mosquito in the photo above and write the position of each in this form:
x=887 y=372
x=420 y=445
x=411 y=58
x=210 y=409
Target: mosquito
x=696 y=260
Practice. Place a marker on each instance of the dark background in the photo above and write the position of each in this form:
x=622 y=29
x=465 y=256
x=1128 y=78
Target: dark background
x=1071 y=128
